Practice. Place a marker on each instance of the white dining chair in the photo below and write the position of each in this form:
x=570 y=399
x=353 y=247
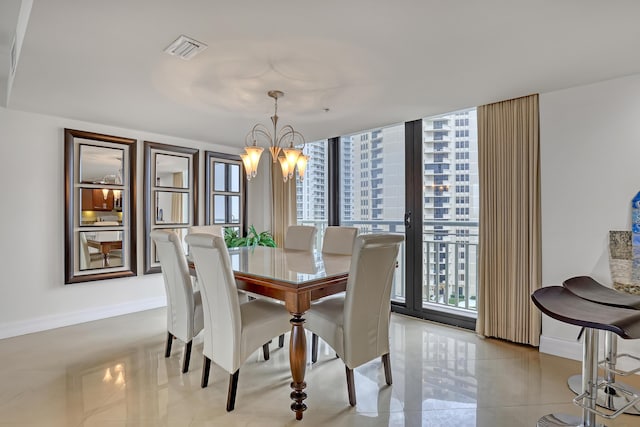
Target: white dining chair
x=356 y=325
x=339 y=240
x=184 y=305
x=232 y=331
x=300 y=237
x=218 y=230
x=88 y=258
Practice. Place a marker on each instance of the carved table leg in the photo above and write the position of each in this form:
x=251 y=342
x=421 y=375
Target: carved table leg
x=298 y=362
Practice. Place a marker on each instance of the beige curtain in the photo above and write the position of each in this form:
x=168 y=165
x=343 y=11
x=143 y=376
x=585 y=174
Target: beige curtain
x=509 y=267
x=284 y=204
x=176 y=199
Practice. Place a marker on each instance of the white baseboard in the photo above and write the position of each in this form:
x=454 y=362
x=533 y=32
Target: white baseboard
x=45 y=323
x=561 y=348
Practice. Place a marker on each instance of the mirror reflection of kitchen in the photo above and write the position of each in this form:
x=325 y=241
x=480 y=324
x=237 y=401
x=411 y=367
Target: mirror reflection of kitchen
x=171 y=171
x=101 y=166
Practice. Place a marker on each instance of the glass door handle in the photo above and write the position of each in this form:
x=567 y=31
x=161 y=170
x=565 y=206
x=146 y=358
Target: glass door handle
x=407 y=219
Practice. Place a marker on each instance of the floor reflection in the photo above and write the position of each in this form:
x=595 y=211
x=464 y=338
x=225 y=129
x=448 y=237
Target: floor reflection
x=113 y=373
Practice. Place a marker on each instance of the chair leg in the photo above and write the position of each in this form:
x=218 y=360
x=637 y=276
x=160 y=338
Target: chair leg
x=187 y=356
x=265 y=351
x=281 y=341
x=206 y=367
x=387 y=368
x=351 y=386
x=233 y=387
x=314 y=348
x=167 y=347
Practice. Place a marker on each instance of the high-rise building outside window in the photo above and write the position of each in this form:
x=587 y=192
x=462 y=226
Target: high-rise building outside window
x=450 y=211
x=372 y=186
x=312 y=192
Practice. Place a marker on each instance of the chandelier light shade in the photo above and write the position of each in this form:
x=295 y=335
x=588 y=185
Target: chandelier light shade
x=282 y=145
x=251 y=160
x=302 y=165
x=286 y=168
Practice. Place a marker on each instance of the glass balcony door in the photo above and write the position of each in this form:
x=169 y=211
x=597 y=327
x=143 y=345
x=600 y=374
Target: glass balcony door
x=450 y=213
x=372 y=188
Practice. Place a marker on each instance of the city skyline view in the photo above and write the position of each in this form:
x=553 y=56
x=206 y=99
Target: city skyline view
x=372 y=198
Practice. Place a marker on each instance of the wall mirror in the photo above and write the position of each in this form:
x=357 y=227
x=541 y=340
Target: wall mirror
x=225 y=191
x=171 y=171
x=99 y=209
x=101 y=165
x=170 y=194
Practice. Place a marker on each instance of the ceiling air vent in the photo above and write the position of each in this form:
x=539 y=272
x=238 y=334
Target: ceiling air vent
x=185 y=47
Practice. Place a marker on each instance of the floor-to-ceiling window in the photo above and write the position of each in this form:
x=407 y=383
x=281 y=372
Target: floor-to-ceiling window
x=417 y=178
x=372 y=190
x=312 y=192
x=450 y=212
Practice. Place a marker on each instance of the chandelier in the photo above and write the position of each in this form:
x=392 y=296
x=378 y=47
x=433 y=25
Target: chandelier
x=282 y=145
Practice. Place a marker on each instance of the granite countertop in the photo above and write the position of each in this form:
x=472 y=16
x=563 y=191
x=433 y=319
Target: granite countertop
x=625 y=275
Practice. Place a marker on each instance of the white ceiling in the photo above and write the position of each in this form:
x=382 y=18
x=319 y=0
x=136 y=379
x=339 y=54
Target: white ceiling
x=370 y=62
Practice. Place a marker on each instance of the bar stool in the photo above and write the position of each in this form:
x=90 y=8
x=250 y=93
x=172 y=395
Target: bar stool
x=587 y=288
x=560 y=304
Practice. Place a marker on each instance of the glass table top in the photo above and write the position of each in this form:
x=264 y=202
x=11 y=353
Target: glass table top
x=289 y=266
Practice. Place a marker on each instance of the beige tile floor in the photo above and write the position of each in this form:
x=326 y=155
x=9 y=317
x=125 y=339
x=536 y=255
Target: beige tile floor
x=113 y=373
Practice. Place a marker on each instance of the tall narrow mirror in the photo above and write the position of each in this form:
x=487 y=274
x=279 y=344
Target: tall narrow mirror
x=170 y=193
x=225 y=191
x=99 y=208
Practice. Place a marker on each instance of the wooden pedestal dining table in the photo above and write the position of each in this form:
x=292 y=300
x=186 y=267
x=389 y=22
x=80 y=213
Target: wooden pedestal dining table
x=296 y=278
x=105 y=246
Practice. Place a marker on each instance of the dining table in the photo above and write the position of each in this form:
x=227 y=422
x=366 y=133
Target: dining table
x=296 y=278
x=105 y=246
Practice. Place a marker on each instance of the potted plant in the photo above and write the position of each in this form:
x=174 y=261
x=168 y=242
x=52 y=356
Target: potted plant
x=233 y=240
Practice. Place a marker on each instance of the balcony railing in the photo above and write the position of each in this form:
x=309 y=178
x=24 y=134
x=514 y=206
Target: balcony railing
x=452 y=264
x=450 y=274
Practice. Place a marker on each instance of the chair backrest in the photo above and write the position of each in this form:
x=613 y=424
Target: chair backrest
x=222 y=331
x=217 y=230
x=85 y=256
x=177 y=283
x=300 y=237
x=339 y=240
x=368 y=297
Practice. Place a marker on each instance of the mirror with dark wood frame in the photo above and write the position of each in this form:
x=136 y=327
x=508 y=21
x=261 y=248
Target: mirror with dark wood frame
x=225 y=191
x=170 y=194
x=100 y=236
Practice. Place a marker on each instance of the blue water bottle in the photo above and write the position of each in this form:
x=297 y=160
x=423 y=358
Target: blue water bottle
x=635 y=239
x=635 y=219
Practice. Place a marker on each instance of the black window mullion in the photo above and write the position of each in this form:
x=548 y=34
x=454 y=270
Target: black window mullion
x=413 y=211
x=333 y=185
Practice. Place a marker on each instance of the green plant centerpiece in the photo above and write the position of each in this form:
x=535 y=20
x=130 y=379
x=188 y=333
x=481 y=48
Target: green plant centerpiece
x=233 y=240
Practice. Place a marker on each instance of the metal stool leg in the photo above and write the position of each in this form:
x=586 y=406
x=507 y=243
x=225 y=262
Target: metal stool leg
x=590 y=375
x=589 y=388
x=609 y=398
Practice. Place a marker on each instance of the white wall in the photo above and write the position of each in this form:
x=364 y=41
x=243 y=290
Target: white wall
x=33 y=295
x=590 y=167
